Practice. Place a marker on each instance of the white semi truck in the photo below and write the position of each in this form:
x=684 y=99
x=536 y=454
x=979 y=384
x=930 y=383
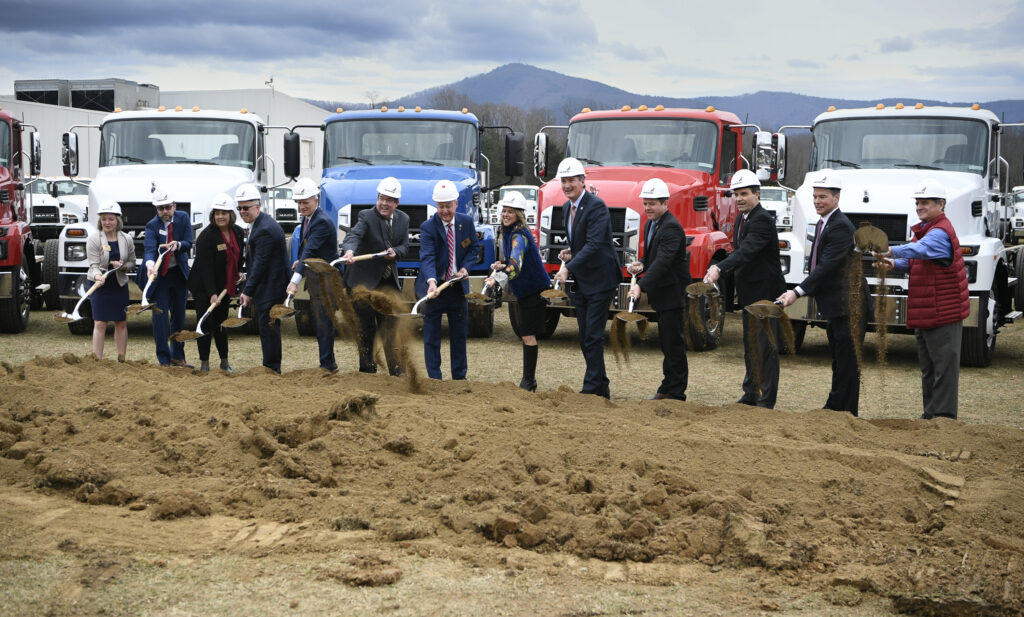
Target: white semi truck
x=881 y=154
x=193 y=154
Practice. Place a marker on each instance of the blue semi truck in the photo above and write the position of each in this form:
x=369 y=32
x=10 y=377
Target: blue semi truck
x=419 y=147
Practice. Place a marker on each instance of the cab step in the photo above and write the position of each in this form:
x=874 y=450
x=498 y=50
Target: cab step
x=1012 y=316
x=42 y=288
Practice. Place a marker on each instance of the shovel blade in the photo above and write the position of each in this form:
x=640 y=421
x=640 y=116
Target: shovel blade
x=234 y=322
x=65 y=318
x=479 y=299
x=700 y=288
x=629 y=317
x=765 y=309
x=280 y=311
x=318 y=265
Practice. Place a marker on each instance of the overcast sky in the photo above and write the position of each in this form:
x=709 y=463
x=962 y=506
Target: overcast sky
x=340 y=50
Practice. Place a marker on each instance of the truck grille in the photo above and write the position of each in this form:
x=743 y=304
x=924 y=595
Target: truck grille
x=894 y=225
x=45 y=214
x=558 y=239
x=417 y=216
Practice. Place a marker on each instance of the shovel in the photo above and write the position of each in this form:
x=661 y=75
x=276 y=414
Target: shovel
x=555 y=295
x=763 y=310
x=282 y=311
x=75 y=315
x=135 y=309
x=869 y=238
x=628 y=316
x=484 y=297
x=234 y=322
x=415 y=314
x=187 y=335
x=319 y=265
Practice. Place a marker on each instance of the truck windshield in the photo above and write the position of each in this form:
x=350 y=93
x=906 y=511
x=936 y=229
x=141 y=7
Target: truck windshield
x=528 y=192
x=769 y=193
x=5 y=145
x=400 y=142
x=160 y=142
x=663 y=142
x=38 y=187
x=951 y=144
x=67 y=187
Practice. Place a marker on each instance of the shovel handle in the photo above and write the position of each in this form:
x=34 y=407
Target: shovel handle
x=220 y=298
x=446 y=284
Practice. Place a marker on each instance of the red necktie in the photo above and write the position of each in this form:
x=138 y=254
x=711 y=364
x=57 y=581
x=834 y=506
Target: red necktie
x=167 y=260
x=814 y=252
x=451 y=251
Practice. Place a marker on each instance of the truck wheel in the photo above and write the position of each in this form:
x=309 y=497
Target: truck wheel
x=83 y=326
x=51 y=253
x=481 y=320
x=36 y=300
x=1018 y=289
x=551 y=318
x=305 y=323
x=14 y=308
x=707 y=335
x=977 y=344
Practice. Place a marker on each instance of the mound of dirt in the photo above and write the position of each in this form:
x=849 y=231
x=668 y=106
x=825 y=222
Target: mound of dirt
x=928 y=513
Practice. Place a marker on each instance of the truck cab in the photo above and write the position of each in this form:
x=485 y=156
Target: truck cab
x=193 y=154
x=528 y=191
x=19 y=266
x=694 y=151
x=418 y=147
x=882 y=154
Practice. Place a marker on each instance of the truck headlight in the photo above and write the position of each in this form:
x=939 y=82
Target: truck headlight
x=784 y=262
x=74 y=251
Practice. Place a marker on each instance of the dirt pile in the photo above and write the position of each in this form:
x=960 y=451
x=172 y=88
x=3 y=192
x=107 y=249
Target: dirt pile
x=928 y=513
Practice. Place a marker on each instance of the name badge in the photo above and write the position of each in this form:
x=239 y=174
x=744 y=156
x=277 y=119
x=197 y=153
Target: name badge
x=106 y=247
x=222 y=247
x=163 y=232
x=466 y=242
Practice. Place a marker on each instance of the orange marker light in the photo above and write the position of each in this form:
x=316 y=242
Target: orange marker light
x=659 y=108
x=400 y=108
x=626 y=108
x=642 y=108
x=899 y=105
x=383 y=108
x=880 y=106
x=831 y=108
x=195 y=108
x=919 y=106
x=244 y=111
x=418 y=108
x=585 y=110
x=710 y=108
x=338 y=110
x=117 y=110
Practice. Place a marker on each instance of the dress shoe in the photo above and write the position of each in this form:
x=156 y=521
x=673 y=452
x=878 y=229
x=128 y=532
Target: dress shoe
x=657 y=397
x=530 y=385
x=204 y=366
x=121 y=358
x=224 y=366
x=746 y=400
x=180 y=363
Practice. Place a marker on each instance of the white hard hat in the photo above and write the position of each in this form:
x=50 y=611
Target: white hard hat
x=159 y=196
x=513 y=199
x=570 y=168
x=247 y=192
x=304 y=189
x=930 y=189
x=827 y=180
x=742 y=179
x=109 y=207
x=655 y=188
x=222 y=201
x=390 y=187
x=445 y=191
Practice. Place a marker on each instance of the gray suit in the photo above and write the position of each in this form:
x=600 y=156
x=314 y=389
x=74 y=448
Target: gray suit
x=370 y=235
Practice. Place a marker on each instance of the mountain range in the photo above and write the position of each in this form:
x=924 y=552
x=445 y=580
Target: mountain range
x=529 y=87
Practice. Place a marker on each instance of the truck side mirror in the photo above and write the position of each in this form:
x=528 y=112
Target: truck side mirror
x=514 y=155
x=51 y=188
x=69 y=154
x=780 y=158
x=770 y=156
x=35 y=153
x=291 y=154
x=540 y=156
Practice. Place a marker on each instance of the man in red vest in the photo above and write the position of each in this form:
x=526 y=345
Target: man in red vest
x=937 y=302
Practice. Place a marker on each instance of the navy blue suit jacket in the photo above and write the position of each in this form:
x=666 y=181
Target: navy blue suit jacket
x=153 y=240
x=594 y=265
x=434 y=250
x=266 y=258
x=828 y=282
x=317 y=238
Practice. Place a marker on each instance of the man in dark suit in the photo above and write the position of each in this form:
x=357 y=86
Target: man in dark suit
x=666 y=265
x=266 y=272
x=383 y=228
x=318 y=237
x=827 y=282
x=758 y=276
x=168 y=229
x=448 y=248
x=594 y=266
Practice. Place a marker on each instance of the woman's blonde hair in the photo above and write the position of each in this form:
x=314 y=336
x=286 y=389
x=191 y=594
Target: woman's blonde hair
x=521 y=215
x=99 y=221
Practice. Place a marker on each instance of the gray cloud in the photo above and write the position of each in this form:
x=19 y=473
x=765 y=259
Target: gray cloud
x=1004 y=33
x=797 y=63
x=895 y=44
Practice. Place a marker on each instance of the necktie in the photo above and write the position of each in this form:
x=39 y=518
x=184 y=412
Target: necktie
x=167 y=258
x=387 y=242
x=814 y=251
x=650 y=237
x=572 y=219
x=451 y=251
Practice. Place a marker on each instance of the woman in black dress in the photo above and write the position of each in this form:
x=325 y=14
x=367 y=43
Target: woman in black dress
x=110 y=249
x=217 y=266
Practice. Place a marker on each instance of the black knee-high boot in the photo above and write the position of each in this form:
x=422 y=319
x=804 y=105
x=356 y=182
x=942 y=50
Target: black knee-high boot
x=529 y=381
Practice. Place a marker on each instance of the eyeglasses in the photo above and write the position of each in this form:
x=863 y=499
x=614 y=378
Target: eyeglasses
x=244 y=208
x=167 y=207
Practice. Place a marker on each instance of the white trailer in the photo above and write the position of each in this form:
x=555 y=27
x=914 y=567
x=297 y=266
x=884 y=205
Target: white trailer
x=882 y=153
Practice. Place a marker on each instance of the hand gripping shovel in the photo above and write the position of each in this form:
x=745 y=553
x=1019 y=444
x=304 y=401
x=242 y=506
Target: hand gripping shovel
x=555 y=295
x=320 y=266
x=234 y=322
x=75 y=315
x=282 y=311
x=628 y=316
x=415 y=314
x=187 y=335
x=484 y=297
x=145 y=305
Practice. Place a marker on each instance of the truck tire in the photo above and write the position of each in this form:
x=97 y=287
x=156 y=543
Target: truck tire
x=85 y=325
x=305 y=323
x=481 y=321
x=551 y=318
x=708 y=335
x=51 y=255
x=1018 y=289
x=976 y=344
x=251 y=326
x=36 y=300
x=799 y=331
x=14 y=308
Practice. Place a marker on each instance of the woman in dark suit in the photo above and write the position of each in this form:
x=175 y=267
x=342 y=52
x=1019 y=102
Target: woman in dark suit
x=217 y=266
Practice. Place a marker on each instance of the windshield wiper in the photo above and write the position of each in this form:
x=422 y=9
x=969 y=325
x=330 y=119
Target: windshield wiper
x=195 y=162
x=842 y=162
x=916 y=166
x=589 y=161
x=356 y=159
x=422 y=162
x=651 y=164
x=133 y=159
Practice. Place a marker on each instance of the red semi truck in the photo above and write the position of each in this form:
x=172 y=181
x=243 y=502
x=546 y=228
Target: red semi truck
x=695 y=151
x=18 y=265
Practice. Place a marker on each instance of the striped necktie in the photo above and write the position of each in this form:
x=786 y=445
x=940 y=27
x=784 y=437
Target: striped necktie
x=451 y=251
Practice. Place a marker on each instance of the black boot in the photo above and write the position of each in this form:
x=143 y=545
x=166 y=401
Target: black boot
x=529 y=382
